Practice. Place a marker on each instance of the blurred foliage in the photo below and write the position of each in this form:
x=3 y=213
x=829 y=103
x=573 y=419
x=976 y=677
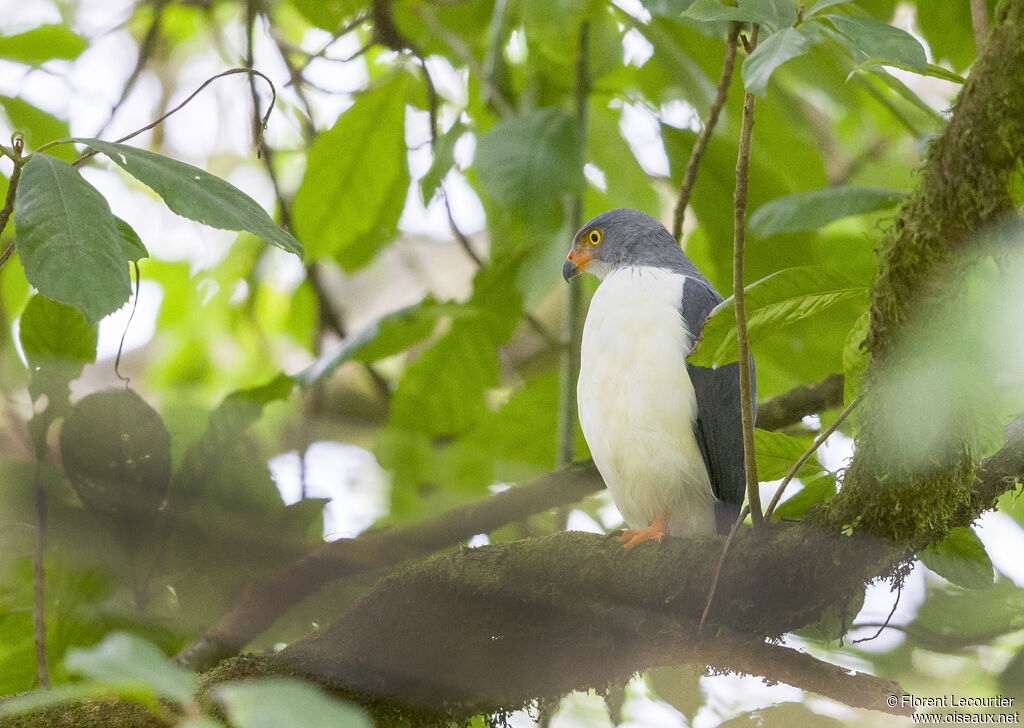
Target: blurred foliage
x=416 y=330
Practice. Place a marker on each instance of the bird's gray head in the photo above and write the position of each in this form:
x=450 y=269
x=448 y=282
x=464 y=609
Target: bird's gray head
x=621 y=238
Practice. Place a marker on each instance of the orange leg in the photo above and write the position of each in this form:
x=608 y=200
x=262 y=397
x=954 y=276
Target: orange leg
x=631 y=539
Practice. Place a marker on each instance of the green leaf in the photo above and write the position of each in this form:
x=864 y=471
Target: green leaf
x=961 y=559
x=812 y=209
x=880 y=40
x=58 y=342
x=670 y=52
x=131 y=243
x=781 y=298
x=531 y=159
x=930 y=69
x=777 y=452
x=328 y=14
x=951 y=619
x=357 y=178
x=814 y=491
x=38 y=126
x=822 y=5
x=226 y=426
x=196 y=194
x=286 y=703
x=124 y=660
x=42 y=44
x=117 y=454
x=748 y=11
x=390 y=334
x=778 y=48
x=52 y=333
x=679 y=687
x=443 y=160
x=68 y=240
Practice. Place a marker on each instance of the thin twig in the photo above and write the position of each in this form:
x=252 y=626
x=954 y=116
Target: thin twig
x=572 y=329
x=739 y=234
x=701 y=145
x=721 y=561
x=465 y=53
x=17 y=147
x=145 y=52
x=807 y=455
x=899 y=593
x=39 y=582
x=124 y=333
x=979 y=22
x=231 y=71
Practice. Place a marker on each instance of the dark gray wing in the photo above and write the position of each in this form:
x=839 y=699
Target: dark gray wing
x=718 y=428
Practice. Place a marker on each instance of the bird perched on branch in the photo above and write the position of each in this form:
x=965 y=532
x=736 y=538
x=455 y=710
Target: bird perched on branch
x=666 y=435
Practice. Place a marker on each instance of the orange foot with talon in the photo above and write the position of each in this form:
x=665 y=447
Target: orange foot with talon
x=631 y=539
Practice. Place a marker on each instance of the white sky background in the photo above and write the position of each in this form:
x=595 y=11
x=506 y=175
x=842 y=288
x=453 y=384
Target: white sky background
x=218 y=120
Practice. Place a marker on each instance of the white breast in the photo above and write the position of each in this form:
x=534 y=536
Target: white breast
x=637 y=405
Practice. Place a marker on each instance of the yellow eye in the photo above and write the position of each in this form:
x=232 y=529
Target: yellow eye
x=594 y=237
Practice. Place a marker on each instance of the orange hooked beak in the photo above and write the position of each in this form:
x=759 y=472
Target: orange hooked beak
x=575 y=264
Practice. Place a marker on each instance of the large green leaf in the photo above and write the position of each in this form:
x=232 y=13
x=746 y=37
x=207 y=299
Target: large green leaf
x=329 y=14
x=117 y=454
x=129 y=663
x=68 y=240
x=960 y=558
x=781 y=298
x=880 y=40
x=286 y=703
x=52 y=333
x=531 y=159
x=357 y=178
x=444 y=158
x=673 y=54
x=776 y=13
x=388 y=335
x=814 y=491
x=812 y=209
x=196 y=194
x=778 y=48
x=777 y=452
x=41 y=44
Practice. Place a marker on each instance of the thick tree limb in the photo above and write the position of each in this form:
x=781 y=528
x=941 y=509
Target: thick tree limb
x=261 y=604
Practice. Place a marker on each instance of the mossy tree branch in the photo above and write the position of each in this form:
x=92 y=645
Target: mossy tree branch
x=937 y=234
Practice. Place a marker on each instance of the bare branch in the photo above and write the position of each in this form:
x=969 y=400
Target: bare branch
x=739 y=235
x=701 y=145
x=792 y=406
x=818 y=442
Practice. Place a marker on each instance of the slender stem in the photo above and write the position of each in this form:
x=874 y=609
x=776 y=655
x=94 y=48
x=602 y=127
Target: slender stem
x=39 y=583
x=721 y=561
x=701 y=145
x=17 y=147
x=146 y=49
x=739 y=236
x=979 y=22
x=163 y=117
x=819 y=440
x=572 y=331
